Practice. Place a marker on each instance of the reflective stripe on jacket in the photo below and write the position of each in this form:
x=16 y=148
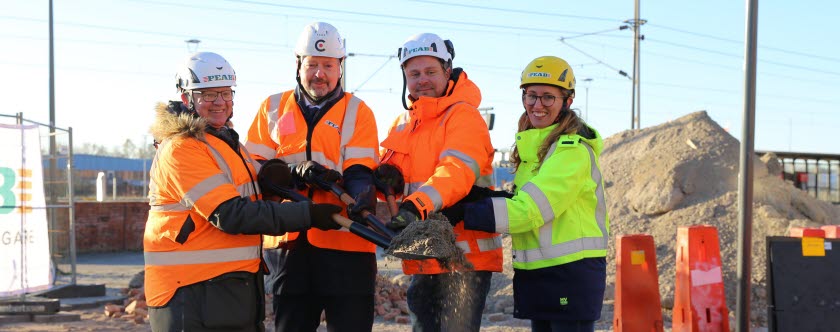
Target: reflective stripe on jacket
x=346 y=135
x=442 y=146
x=558 y=214
x=189 y=179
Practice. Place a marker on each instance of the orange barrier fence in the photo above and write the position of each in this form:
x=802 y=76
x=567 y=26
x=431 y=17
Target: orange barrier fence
x=637 y=304
x=831 y=231
x=813 y=240
x=699 y=298
x=806 y=232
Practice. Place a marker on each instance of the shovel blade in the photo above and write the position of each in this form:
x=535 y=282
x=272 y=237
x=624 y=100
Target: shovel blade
x=410 y=255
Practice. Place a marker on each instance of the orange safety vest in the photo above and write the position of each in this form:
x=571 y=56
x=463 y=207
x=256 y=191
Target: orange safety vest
x=345 y=136
x=190 y=177
x=442 y=146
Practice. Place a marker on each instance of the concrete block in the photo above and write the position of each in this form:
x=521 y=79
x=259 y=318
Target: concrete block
x=89 y=302
x=9 y=319
x=65 y=291
x=56 y=318
x=29 y=305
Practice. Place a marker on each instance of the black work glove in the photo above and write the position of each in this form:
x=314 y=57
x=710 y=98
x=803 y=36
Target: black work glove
x=274 y=175
x=388 y=179
x=315 y=174
x=321 y=215
x=408 y=214
x=365 y=200
x=478 y=193
x=454 y=213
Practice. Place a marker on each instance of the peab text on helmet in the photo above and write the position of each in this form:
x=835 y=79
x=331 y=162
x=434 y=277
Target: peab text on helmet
x=212 y=78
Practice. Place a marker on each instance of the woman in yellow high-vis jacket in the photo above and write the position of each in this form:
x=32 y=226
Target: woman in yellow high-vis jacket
x=557 y=218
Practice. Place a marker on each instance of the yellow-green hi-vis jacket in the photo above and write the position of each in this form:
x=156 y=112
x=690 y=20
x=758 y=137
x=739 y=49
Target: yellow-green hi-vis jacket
x=558 y=214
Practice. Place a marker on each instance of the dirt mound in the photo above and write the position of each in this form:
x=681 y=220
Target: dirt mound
x=685 y=172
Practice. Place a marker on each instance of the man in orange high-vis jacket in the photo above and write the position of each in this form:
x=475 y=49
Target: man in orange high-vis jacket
x=442 y=146
x=321 y=129
x=203 y=269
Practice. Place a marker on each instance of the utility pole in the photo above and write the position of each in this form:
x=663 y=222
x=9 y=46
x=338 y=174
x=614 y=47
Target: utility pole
x=745 y=183
x=53 y=172
x=343 y=82
x=636 y=100
x=192 y=45
x=586 y=110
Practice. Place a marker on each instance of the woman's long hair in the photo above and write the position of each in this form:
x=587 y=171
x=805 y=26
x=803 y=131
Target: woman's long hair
x=569 y=123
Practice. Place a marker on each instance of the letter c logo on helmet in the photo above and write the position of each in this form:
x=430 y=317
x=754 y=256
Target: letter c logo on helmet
x=319 y=45
x=320 y=39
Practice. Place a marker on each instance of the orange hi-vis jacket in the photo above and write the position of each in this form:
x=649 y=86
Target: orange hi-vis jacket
x=345 y=136
x=442 y=146
x=190 y=177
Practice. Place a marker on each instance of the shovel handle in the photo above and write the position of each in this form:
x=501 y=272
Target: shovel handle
x=373 y=221
x=392 y=205
x=362 y=231
x=378 y=224
x=354 y=227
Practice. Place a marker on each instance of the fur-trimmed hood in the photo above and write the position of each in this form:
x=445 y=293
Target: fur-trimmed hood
x=175 y=120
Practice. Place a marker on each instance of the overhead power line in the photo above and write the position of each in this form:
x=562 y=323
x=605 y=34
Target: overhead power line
x=408 y=18
x=622 y=27
x=619 y=71
x=520 y=11
x=180 y=37
x=741 y=42
x=816 y=70
x=159 y=33
x=729 y=66
x=374 y=73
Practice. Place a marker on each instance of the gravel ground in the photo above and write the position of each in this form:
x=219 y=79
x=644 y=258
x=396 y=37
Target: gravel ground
x=115 y=270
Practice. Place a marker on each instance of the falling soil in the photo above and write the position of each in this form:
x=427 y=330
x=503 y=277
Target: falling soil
x=432 y=238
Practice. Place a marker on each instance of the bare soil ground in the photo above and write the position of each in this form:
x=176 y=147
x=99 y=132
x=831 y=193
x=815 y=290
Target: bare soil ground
x=115 y=271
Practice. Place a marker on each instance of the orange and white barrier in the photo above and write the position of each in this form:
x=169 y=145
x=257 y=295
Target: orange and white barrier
x=699 y=298
x=637 y=304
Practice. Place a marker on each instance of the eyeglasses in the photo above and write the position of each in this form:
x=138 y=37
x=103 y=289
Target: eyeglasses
x=545 y=100
x=210 y=96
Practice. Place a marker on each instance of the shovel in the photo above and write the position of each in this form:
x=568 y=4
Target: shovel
x=372 y=220
x=430 y=238
x=417 y=241
x=282 y=176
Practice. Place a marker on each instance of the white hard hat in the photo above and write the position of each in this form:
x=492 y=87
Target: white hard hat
x=205 y=70
x=426 y=44
x=320 y=39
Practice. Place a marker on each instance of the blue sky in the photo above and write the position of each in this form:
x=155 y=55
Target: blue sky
x=114 y=59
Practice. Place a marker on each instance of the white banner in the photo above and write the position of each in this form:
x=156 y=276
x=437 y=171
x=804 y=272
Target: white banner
x=24 y=240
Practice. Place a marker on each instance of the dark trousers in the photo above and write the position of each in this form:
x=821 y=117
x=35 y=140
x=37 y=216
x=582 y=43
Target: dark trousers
x=562 y=326
x=449 y=301
x=347 y=313
x=307 y=280
x=229 y=302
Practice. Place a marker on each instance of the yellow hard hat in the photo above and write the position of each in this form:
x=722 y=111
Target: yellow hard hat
x=549 y=70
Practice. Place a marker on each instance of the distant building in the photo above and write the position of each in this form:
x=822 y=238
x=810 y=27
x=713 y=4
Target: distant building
x=131 y=175
x=502 y=176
